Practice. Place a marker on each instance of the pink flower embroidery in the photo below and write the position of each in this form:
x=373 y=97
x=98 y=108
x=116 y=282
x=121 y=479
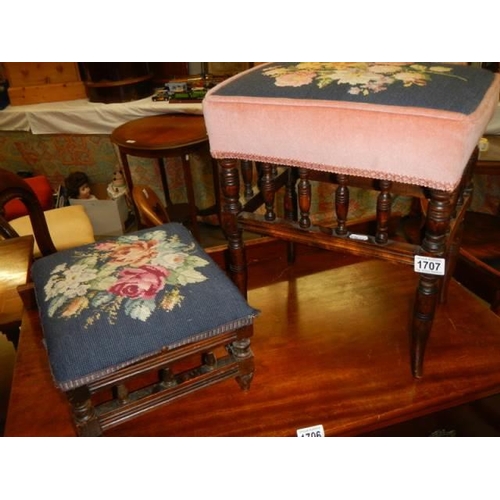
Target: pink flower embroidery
x=134 y=254
x=296 y=79
x=143 y=282
x=410 y=78
x=126 y=275
x=363 y=78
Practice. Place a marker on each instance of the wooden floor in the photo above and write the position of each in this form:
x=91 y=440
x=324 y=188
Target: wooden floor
x=331 y=348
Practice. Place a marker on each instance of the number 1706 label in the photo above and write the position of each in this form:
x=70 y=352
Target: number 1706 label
x=429 y=265
x=314 y=431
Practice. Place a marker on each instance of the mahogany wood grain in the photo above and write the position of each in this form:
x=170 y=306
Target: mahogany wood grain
x=330 y=348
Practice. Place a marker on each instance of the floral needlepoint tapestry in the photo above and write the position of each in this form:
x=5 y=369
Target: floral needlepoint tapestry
x=129 y=297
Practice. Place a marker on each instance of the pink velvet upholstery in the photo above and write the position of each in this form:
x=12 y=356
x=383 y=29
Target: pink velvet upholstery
x=413 y=144
x=411 y=123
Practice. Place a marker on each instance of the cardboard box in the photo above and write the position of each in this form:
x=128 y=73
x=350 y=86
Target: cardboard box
x=108 y=217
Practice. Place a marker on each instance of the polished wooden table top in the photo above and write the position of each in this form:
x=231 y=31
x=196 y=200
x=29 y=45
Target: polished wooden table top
x=15 y=258
x=166 y=136
x=342 y=363
x=154 y=134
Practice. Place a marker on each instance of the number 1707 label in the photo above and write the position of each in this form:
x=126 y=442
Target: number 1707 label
x=429 y=265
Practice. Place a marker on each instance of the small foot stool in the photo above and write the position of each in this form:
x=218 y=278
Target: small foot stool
x=138 y=321
x=397 y=127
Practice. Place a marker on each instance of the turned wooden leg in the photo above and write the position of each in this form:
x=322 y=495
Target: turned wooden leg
x=384 y=202
x=341 y=204
x=231 y=207
x=268 y=190
x=247 y=176
x=304 y=196
x=130 y=184
x=433 y=245
x=241 y=351
x=84 y=415
x=423 y=316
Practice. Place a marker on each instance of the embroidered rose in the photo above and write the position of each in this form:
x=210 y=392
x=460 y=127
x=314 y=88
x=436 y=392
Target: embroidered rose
x=136 y=253
x=295 y=79
x=133 y=275
x=410 y=78
x=143 y=282
x=386 y=69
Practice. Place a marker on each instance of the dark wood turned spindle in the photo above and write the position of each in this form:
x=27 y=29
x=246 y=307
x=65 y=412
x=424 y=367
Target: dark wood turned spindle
x=268 y=189
x=209 y=360
x=304 y=189
x=290 y=200
x=166 y=377
x=384 y=202
x=120 y=392
x=437 y=223
x=341 y=204
x=247 y=176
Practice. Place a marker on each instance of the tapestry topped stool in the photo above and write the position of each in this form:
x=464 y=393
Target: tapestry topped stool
x=408 y=128
x=138 y=321
x=134 y=322
x=167 y=136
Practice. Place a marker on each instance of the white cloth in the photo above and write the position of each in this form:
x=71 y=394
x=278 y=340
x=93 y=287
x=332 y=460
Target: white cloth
x=84 y=117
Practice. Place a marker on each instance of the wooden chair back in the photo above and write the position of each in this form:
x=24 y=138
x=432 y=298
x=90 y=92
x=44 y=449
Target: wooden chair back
x=150 y=208
x=14 y=187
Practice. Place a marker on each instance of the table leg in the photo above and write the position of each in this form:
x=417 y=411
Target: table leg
x=130 y=184
x=188 y=181
x=164 y=182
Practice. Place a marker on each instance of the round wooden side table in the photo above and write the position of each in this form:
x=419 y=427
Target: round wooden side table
x=167 y=136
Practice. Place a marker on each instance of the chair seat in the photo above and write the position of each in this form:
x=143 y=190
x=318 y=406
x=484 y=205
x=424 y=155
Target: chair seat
x=359 y=119
x=110 y=304
x=151 y=210
x=69 y=227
